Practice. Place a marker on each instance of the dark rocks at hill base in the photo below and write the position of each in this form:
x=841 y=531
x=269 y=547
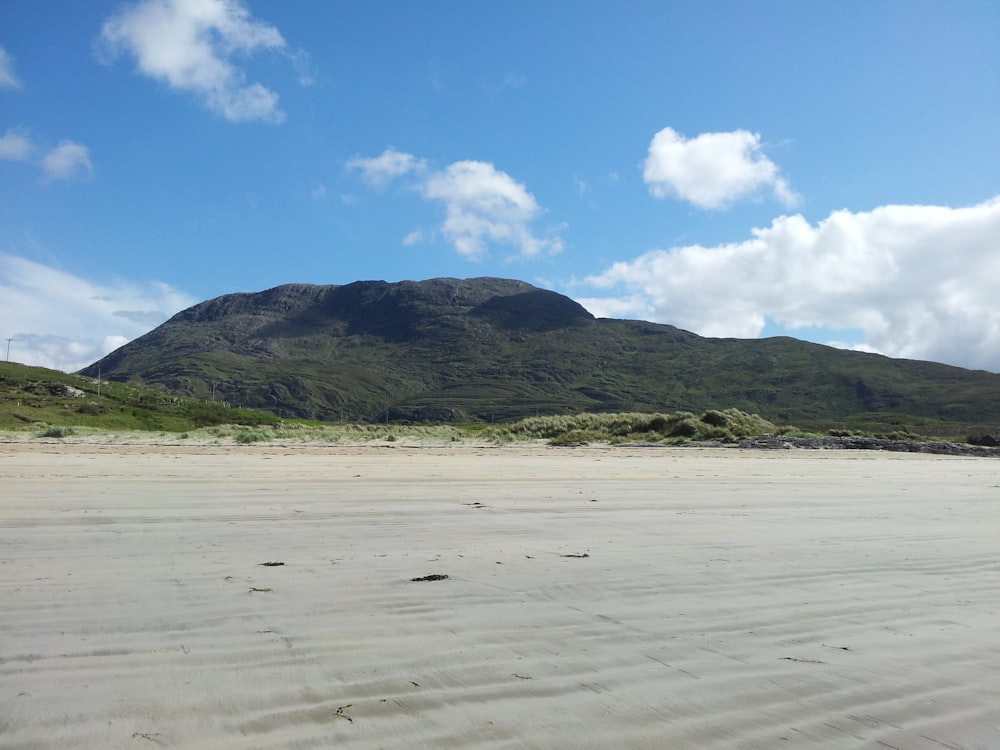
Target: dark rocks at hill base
x=779 y=442
x=988 y=440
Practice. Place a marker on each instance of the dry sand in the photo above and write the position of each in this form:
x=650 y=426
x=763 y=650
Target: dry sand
x=596 y=598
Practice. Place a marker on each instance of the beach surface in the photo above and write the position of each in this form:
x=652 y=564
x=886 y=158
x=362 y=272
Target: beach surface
x=262 y=596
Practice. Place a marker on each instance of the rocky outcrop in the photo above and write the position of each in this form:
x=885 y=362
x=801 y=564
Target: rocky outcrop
x=779 y=442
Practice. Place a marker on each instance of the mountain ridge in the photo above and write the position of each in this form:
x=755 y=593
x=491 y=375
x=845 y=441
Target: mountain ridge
x=451 y=349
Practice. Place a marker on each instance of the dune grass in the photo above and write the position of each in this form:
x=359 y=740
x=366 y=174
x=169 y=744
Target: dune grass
x=302 y=432
x=678 y=427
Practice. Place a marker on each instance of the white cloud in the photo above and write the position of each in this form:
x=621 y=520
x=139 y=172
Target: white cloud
x=712 y=170
x=8 y=78
x=16 y=145
x=483 y=205
x=65 y=322
x=415 y=237
x=919 y=281
x=379 y=171
x=303 y=69
x=66 y=161
x=189 y=44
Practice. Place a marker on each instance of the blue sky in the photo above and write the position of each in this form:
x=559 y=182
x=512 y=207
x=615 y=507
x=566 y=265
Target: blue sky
x=824 y=170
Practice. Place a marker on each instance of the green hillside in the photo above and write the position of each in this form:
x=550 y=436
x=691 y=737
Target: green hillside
x=39 y=397
x=495 y=349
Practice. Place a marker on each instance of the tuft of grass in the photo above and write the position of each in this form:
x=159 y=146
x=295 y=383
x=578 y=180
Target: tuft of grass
x=574 y=437
x=251 y=436
x=57 y=432
x=319 y=432
x=727 y=425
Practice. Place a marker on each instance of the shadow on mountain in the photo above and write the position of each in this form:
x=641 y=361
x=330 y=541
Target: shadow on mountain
x=534 y=311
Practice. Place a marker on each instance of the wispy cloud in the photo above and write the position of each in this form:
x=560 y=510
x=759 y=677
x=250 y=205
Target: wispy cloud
x=712 y=170
x=190 y=45
x=483 y=206
x=379 y=171
x=16 y=145
x=60 y=320
x=415 y=237
x=510 y=82
x=67 y=161
x=919 y=281
x=8 y=78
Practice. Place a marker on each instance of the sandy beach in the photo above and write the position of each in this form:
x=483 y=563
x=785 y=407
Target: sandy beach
x=595 y=597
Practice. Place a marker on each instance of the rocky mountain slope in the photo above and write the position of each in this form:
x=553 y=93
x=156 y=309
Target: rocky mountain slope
x=491 y=349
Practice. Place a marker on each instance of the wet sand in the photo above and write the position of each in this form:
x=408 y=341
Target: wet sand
x=595 y=598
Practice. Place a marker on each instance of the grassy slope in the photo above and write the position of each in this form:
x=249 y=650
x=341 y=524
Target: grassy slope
x=493 y=350
x=33 y=397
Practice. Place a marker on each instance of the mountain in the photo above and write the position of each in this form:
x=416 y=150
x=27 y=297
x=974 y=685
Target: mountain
x=491 y=349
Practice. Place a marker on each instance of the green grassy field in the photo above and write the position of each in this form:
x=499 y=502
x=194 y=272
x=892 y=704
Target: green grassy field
x=38 y=398
x=57 y=404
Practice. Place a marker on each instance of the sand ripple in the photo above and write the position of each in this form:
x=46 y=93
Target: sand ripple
x=647 y=598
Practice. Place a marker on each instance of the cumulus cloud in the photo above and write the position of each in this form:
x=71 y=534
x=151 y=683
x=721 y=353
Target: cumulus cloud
x=190 y=45
x=65 y=322
x=8 y=78
x=483 y=205
x=379 y=171
x=67 y=161
x=712 y=170
x=919 y=281
x=16 y=145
